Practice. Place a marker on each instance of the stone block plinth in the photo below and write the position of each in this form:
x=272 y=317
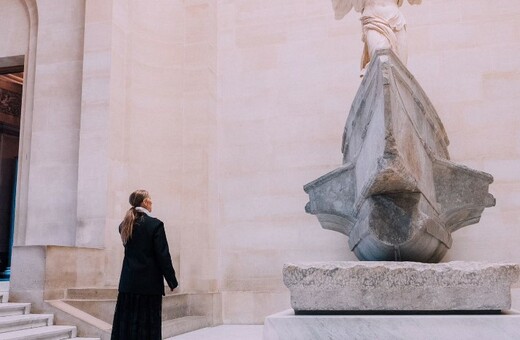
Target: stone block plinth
x=400 y=286
x=288 y=326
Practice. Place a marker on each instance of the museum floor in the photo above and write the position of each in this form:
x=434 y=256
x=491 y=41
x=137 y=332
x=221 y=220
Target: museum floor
x=224 y=332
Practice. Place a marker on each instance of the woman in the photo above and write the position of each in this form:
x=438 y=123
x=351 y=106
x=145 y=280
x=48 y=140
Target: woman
x=147 y=260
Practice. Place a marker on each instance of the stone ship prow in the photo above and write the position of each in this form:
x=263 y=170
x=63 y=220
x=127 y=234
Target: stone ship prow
x=397 y=195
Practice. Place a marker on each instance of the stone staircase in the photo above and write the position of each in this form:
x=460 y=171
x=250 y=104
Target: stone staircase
x=93 y=308
x=17 y=323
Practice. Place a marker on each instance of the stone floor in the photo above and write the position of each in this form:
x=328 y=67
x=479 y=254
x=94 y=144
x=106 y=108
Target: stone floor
x=224 y=332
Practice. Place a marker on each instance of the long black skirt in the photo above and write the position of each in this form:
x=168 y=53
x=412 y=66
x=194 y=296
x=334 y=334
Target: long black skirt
x=137 y=317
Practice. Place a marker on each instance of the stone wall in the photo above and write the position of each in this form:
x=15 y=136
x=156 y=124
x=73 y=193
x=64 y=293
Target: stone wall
x=464 y=55
x=52 y=183
x=285 y=84
x=46 y=209
x=14 y=27
x=163 y=128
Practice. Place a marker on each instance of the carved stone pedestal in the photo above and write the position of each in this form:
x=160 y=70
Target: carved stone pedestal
x=397 y=300
x=288 y=326
x=400 y=286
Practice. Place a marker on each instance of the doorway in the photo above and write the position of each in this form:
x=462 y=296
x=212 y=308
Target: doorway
x=11 y=87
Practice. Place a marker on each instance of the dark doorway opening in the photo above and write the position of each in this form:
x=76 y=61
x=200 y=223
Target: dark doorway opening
x=11 y=86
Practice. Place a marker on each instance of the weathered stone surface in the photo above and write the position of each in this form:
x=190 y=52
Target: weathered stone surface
x=397 y=195
x=287 y=326
x=400 y=286
x=378 y=11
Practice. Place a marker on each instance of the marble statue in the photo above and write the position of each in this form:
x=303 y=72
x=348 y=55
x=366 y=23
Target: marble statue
x=384 y=26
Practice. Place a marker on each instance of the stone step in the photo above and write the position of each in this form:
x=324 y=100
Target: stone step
x=184 y=325
x=9 y=308
x=98 y=294
x=42 y=333
x=174 y=305
x=18 y=322
x=92 y=293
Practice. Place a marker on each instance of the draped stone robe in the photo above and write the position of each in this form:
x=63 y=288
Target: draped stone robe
x=384 y=20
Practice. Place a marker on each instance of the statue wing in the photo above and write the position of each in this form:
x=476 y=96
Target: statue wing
x=342 y=7
x=415 y=2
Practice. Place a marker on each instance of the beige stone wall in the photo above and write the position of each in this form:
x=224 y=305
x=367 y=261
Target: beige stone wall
x=162 y=109
x=285 y=82
x=465 y=54
x=14 y=25
x=53 y=177
x=145 y=144
x=95 y=121
x=50 y=35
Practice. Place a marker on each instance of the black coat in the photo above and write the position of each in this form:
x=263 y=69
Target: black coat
x=147 y=259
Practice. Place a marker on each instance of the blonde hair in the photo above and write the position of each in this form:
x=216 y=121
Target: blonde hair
x=136 y=199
